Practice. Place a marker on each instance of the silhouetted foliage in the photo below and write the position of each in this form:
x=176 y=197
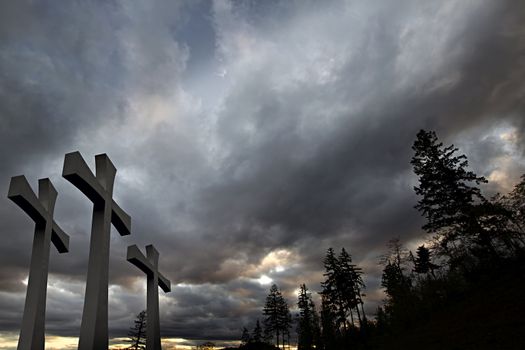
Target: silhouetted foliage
x=257 y=334
x=245 y=337
x=137 y=333
x=278 y=319
x=477 y=242
x=308 y=328
x=423 y=263
x=329 y=331
x=451 y=201
x=463 y=290
x=342 y=310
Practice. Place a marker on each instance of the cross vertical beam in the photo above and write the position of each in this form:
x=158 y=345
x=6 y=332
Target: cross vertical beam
x=149 y=264
x=99 y=189
x=41 y=210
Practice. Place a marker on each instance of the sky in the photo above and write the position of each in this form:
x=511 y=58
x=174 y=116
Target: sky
x=248 y=137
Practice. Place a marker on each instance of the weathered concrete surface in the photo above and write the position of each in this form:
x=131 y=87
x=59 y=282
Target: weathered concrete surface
x=149 y=264
x=99 y=189
x=41 y=210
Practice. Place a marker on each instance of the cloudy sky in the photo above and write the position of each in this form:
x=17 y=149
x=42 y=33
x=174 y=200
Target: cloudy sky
x=249 y=137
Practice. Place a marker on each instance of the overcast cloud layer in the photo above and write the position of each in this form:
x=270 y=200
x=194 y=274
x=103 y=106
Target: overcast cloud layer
x=249 y=137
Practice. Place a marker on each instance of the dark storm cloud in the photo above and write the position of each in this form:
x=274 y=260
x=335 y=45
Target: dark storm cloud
x=63 y=73
x=275 y=132
x=355 y=174
x=51 y=71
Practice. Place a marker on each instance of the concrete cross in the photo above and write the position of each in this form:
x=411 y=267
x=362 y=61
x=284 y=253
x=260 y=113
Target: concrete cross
x=46 y=231
x=99 y=189
x=149 y=264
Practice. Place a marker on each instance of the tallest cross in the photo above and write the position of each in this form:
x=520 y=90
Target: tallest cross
x=99 y=189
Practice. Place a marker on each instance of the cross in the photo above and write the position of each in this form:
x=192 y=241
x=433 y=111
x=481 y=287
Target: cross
x=149 y=264
x=46 y=231
x=99 y=189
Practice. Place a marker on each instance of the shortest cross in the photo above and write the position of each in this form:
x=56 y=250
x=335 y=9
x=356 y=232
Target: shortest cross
x=46 y=231
x=149 y=264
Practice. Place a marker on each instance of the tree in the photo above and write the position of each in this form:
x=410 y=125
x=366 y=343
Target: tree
x=257 y=335
x=307 y=325
x=395 y=283
x=316 y=324
x=399 y=304
x=422 y=261
x=342 y=288
x=329 y=330
x=351 y=284
x=286 y=322
x=450 y=196
x=512 y=214
x=331 y=292
x=137 y=333
x=278 y=318
x=245 y=337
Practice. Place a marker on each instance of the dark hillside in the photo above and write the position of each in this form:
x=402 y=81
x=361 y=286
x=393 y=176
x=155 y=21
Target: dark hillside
x=489 y=315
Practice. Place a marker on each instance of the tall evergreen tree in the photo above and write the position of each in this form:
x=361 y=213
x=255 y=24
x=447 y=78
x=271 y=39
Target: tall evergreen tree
x=306 y=327
x=278 y=317
x=351 y=284
x=422 y=261
x=316 y=324
x=332 y=290
x=399 y=304
x=329 y=331
x=245 y=337
x=286 y=322
x=450 y=195
x=137 y=333
x=257 y=334
x=342 y=289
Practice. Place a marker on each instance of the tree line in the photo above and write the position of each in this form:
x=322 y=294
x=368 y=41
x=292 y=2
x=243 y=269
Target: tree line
x=341 y=316
x=471 y=240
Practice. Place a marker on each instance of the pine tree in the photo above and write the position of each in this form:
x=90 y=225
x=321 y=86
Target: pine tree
x=245 y=337
x=316 y=324
x=137 y=334
x=305 y=324
x=329 y=331
x=422 y=261
x=342 y=289
x=272 y=312
x=308 y=323
x=351 y=284
x=278 y=317
x=396 y=284
x=331 y=291
x=257 y=334
x=450 y=196
x=399 y=304
x=286 y=322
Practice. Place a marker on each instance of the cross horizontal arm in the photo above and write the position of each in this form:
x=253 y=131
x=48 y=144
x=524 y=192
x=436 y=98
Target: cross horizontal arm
x=60 y=239
x=135 y=256
x=120 y=219
x=22 y=194
x=164 y=283
x=78 y=173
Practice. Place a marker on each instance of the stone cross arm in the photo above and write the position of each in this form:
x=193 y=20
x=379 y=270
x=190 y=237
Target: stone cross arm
x=97 y=187
x=39 y=209
x=135 y=256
